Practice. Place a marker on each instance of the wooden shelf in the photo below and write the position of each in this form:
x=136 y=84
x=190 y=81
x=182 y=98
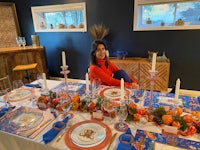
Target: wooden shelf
x=139 y=69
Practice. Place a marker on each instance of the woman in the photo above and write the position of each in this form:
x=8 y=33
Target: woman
x=103 y=69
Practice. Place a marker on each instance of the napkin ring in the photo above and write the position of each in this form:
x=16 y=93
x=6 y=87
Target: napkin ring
x=126 y=142
x=57 y=128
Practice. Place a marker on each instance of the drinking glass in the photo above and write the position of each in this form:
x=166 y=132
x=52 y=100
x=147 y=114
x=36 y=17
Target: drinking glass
x=123 y=113
x=19 y=41
x=40 y=80
x=23 y=41
x=95 y=87
x=64 y=100
x=4 y=96
x=107 y=105
x=17 y=84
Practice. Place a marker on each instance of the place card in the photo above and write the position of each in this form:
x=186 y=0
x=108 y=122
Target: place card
x=97 y=115
x=170 y=130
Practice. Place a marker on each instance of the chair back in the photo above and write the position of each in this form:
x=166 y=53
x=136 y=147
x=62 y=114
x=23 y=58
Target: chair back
x=5 y=83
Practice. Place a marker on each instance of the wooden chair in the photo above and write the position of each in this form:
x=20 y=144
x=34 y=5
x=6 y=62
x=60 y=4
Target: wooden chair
x=5 y=83
x=26 y=68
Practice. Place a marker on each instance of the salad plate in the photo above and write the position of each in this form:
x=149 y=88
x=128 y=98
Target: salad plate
x=88 y=135
x=19 y=94
x=113 y=93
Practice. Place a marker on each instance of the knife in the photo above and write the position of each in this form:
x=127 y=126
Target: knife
x=111 y=141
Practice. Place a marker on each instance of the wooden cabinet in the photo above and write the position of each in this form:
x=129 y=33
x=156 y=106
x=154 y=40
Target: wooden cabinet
x=12 y=56
x=139 y=69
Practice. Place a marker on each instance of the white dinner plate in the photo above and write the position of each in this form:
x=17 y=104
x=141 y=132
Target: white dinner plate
x=88 y=135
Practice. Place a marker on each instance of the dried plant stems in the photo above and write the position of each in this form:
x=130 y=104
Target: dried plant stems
x=99 y=31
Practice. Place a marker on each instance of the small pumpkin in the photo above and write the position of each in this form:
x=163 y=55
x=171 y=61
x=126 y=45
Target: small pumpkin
x=132 y=105
x=75 y=98
x=188 y=118
x=150 y=118
x=136 y=117
x=177 y=111
x=167 y=119
x=74 y=105
x=176 y=124
x=141 y=111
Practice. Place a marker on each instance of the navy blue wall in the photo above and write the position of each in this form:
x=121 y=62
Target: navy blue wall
x=180 y=46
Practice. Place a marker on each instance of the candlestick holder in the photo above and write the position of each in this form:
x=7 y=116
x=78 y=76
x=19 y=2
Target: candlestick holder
x=65 y=72
x=152 y=79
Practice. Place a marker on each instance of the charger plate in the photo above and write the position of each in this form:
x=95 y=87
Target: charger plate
x=88 y=135
x=113 y=93
x=20 y=94
x=21 y=119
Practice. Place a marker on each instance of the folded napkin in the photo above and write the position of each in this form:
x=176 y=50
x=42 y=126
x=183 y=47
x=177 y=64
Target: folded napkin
x=33 y=85
x=5 y=109
x=57 y=127
x=126 y=141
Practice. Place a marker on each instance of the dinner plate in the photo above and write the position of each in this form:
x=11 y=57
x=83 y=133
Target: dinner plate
x=19 y=94
x=113 y=93
x=25 y=119
x=88 y=135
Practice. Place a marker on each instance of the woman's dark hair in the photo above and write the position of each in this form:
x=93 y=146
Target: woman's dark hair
x=95 y=44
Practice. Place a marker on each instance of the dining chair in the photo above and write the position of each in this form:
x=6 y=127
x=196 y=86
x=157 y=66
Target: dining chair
x=5 y=83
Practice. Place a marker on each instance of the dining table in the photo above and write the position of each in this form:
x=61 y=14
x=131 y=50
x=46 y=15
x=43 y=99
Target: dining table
x=31 y=136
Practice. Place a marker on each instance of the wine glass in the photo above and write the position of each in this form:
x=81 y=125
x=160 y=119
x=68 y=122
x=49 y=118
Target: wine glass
x=40 y=80
x=23 y=41
x=94 y=87
x=107 y=106
x=122 y=114
x=19 y=41
x=64 y=101
x=4 y=96
x=17 y=84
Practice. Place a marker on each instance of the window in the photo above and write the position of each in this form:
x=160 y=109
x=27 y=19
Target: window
x=166 y=15
x=60 y=18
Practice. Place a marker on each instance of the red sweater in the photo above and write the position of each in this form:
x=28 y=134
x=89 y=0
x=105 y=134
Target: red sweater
x=105 y=74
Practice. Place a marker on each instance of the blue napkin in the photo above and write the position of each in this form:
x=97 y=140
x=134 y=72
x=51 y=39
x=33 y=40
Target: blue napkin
x=5 y=109
x=53 y=132
x=33 y=85
x=126 y=141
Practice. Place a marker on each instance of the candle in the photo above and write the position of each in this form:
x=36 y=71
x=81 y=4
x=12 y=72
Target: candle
x=45 y=80
x=122 y=88
x=154 y=61
x=87 y=83
x=178 y=82
x=63 y=58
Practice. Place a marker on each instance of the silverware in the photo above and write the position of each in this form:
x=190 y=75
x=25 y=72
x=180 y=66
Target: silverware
x=60 y=136
x=111 y=141
x=43 y=124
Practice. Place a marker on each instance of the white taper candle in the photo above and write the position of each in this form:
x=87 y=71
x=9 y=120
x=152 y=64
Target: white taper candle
x=63 y=58
x=45 y=80
x=154 y=61
x=178 y=82
x=122 y=88
x=87 y=83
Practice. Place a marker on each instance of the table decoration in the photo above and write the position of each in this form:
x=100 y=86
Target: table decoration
x=5 y=109
x=146 y=140
x=104 y=133
x=56 y=128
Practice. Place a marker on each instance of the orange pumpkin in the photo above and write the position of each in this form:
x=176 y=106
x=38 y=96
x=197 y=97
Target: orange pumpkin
x=177 y=111
x=141 y=111
x=74 y=105
x=75 y=98
x=150 y=118
x=188 y=118
x=132 y=105
x=136 y=117
x=167 y=119
x=176 y=124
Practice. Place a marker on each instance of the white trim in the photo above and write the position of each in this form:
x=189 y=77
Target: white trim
x=52 y=8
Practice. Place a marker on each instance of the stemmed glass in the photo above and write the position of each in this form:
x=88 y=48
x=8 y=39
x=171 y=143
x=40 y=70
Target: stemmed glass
x=64 y=100
x=107 y=105
x=4 y=97
x=17 y=84
x=19 y=41
x=94 y=87
x=122 y=114
x=23 y=41
x=40 y=80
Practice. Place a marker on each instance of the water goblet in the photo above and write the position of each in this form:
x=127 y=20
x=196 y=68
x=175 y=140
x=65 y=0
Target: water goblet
x=107 y=106
x=17 y=84
x=19 y=41
x=40 y=80
x=23 y=41
x=94 y=87
x=122 y=114
x=4 y=96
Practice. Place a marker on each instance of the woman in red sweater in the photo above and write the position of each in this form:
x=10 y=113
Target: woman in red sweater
x=103 y=69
